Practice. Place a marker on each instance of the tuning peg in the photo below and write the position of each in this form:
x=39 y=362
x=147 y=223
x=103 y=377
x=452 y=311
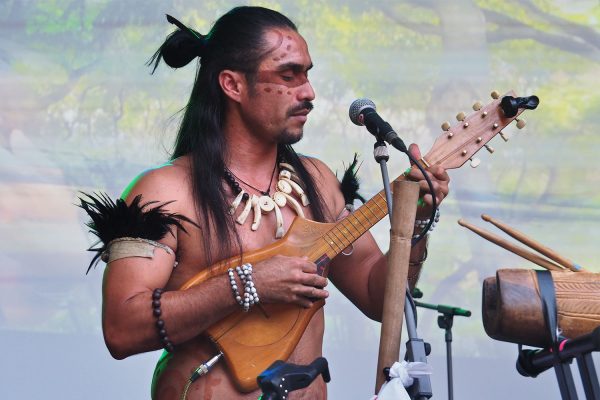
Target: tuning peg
x=446 y=126
x=489 y=148
x=461 y=116
x=520 y=123
x=475 y=162
x=503 y=136
x=495 y=95
x=477 y=106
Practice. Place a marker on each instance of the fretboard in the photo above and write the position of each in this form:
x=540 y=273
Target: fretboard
x=346 y=231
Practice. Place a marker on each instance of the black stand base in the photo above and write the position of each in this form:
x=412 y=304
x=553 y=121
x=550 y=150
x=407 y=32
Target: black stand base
x=533 y=362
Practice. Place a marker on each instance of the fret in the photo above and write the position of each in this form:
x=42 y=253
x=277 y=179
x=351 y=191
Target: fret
x=339 y=238
x=362 y=226
x=383 y=209
x=344 y=232
x=349 y=219
x=351 y=227
x=331 y=242
x=347 y=237
x=340 y=234
x=366 y=207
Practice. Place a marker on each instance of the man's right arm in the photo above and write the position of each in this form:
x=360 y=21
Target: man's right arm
x=128 y=322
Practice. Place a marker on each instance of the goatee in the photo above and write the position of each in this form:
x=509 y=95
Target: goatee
x=287 y=137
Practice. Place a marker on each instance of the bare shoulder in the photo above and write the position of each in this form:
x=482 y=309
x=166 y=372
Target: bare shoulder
x=327 y=182
x=168 y=182
x=318 y=170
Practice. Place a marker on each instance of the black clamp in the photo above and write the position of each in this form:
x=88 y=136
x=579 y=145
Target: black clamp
x=281 y=378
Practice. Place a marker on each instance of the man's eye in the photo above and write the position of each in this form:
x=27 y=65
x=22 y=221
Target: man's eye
x=287 y=78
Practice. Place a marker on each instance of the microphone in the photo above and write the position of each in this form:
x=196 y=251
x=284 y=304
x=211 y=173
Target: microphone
x=363 y=113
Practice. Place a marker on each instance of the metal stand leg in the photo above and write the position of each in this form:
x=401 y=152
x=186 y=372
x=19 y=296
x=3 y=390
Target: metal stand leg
x=445 y=322
x=589 y=377
x=565 y=381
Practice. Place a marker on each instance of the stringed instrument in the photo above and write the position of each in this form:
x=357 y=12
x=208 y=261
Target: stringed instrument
x=251 y=341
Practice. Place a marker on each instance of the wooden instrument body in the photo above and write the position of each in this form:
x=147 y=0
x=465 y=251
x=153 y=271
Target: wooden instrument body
x=258 y=340
x=512 y=307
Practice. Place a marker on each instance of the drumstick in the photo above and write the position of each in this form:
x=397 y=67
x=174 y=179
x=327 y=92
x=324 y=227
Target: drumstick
x=526 y=254
x=540 y=248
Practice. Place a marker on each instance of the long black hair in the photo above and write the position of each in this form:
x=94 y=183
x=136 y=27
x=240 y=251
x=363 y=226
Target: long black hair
x=236 y=42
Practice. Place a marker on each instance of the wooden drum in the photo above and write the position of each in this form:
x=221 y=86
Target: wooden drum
x=512 y=308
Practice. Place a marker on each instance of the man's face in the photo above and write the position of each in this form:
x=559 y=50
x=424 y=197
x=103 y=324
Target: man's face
x=280 y=99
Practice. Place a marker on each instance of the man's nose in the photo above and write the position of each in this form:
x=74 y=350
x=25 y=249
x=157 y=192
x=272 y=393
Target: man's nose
x=306 y=92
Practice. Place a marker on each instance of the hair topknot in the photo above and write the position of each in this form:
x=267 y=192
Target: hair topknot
x=180 y=47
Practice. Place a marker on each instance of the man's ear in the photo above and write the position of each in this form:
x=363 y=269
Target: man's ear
x=232 y=83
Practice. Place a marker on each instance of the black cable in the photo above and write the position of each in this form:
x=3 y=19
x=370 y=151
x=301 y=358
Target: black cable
x=434 y=201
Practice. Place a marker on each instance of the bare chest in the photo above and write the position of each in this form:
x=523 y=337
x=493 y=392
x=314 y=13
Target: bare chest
x=194 y=246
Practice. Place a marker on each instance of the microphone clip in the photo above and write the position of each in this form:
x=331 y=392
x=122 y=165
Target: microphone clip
x=380 y=151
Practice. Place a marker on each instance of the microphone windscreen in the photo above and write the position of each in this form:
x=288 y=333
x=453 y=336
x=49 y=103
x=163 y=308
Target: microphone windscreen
x=356 y=108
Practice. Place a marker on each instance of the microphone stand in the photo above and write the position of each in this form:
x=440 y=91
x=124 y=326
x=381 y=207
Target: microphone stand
x=415 y=347
x=445 y=321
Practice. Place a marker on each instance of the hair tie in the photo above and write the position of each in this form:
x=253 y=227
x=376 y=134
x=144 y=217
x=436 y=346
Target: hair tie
x=200 y=45
x=184 y=28
x=180 y=47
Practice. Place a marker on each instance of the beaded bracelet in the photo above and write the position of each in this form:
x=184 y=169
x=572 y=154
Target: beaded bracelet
x=422 y=223
x=160 y=323
x=234 y=287
x=250 y=295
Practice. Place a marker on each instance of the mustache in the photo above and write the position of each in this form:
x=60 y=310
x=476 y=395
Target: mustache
x=305 y=105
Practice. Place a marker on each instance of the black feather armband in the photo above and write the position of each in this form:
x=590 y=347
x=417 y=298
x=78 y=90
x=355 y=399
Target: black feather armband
x=112 y=220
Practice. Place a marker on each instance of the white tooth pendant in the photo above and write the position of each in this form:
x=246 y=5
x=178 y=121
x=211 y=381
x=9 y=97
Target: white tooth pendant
x=244 y=214
x=295 y=205
x=287 y=166
x=279 y=223
x=279 y=199
x=236 y=202
x=298 y=191
x=266 y=204
x=289 y=191
x=257 y=213
x=283 y=186
x=295 y=178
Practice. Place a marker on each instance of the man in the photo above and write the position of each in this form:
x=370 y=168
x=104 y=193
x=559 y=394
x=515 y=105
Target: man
x=249 y=103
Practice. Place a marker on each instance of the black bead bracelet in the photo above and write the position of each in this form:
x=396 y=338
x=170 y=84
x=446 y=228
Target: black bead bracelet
x=160 y=323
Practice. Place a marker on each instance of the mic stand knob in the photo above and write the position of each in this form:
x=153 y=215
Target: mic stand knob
x=380 y=151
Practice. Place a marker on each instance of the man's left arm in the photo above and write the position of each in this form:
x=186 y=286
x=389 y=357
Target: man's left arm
x=361 y=275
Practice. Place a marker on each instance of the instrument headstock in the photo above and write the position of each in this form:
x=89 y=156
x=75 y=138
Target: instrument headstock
x=460 y=142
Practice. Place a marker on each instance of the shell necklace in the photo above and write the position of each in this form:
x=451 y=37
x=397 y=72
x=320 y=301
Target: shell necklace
x=288 y=187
